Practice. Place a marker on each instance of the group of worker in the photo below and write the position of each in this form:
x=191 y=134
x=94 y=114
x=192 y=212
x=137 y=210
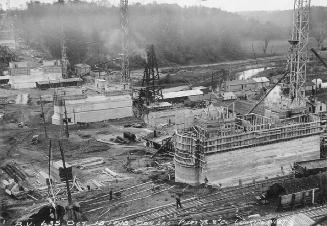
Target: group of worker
x=178 y=197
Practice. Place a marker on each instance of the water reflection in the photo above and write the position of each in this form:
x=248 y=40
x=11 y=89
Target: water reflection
x=250 y=73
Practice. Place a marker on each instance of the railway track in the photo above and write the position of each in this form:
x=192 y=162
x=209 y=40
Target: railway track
x=123 y=196
x=228 y=200
x=232 y=199
x=224 y=201
x=127 y=191
x=314 y=213
x=317 y=213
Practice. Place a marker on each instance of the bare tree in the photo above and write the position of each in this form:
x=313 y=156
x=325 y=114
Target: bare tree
x=268 y=33
x=265 y=45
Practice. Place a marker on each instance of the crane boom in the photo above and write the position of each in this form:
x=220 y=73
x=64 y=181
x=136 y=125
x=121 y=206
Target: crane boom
x=319 y=58
x=125 y=47
x=262 y=98
x=298 y=55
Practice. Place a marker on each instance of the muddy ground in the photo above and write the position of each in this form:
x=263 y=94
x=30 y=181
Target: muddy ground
x=16 y=146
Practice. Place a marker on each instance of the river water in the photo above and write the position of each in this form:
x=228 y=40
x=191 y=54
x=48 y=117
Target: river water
x=250 y=73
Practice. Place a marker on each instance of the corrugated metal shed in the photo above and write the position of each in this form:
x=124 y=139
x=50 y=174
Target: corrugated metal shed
x=60 y=81
x=199 y=87
x=175 y=89
x=261 y=79
x=240 y=82
x=82 y=65
x=179 y=94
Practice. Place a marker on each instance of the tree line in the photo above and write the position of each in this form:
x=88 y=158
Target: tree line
x=181 y=35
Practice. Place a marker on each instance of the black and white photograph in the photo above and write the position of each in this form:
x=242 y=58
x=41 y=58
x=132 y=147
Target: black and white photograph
x=163 y=112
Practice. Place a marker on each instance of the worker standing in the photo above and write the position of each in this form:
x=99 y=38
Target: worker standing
x=206 y=182
x=178 y=201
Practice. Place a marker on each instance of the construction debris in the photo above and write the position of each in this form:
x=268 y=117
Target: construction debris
x=217 y=147
x=35 y=139
x=130 y=136
x=87 y=163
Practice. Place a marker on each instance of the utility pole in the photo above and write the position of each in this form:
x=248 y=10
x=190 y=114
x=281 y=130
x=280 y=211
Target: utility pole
x=212 y=74
x=43 y=117
x=66 y=120
x=69 y=196
x=50 y=189
x=50 y=154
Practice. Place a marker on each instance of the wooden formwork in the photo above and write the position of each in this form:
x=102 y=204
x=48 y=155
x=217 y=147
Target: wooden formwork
x=229 y=139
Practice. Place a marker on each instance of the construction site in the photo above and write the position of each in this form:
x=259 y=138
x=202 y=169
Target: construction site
x=239 y=142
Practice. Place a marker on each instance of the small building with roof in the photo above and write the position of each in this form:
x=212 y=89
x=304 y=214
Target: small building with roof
x=240 y=85
x=82 y=69
x=59 y=83
x=181 y=96
x=262 y=82
x=228 y=96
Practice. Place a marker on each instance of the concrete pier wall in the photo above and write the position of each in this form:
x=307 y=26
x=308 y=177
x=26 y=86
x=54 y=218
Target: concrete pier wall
x=251 y=163
x=94 y=109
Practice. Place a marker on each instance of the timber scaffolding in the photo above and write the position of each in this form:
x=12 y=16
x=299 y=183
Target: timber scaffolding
x=224 y=132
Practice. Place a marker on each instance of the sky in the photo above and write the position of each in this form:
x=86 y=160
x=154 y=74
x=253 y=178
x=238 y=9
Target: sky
x=228 y=5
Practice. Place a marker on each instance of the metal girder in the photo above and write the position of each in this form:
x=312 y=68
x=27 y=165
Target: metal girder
x=151 y=91
x=319 y=57
x=125 y=73
x=298 y=54
x=64 y=59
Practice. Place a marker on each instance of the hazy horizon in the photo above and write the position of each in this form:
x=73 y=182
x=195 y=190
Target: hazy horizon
x=227 y=5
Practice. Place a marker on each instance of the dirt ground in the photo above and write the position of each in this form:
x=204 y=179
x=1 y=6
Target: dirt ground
x=15 y=144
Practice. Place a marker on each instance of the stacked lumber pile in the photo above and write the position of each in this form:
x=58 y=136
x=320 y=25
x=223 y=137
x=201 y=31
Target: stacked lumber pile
x=60 y=189
x=104 y=175
x=87 y=163
x=14 y=172
x=17 y=184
